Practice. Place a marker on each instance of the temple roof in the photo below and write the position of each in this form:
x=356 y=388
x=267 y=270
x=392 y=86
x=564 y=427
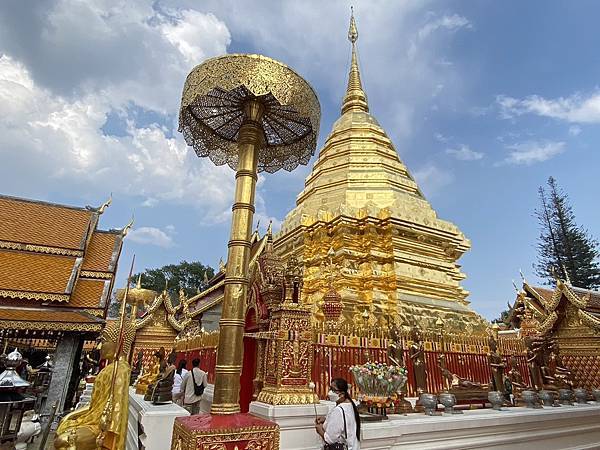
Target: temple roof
x=548 y=305
x=55 y=253
x=44 y=224
x=48 y=319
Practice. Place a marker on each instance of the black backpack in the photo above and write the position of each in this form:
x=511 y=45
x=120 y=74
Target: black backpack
x=198 y=389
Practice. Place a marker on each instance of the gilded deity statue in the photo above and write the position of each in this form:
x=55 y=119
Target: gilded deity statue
x=149 y=374
x=417 y=355
x=454 y=381
x=497 y=365
x=395 y=351
x=102 y=424
x=515 y=377
x=161 y=390
x=535 y=362
x=553 y=372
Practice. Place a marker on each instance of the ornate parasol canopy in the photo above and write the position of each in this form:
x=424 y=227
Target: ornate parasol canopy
x=212 y=112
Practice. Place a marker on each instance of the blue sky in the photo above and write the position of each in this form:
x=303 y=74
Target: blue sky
x=483 y=101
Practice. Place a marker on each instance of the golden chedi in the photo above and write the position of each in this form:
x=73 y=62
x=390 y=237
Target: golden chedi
x=396 y=259
x=103 y=423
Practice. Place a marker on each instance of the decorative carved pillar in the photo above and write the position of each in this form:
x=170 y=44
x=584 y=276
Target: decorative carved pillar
x=289 y=357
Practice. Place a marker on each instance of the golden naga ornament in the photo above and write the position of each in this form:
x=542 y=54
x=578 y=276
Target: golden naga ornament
x=255 y=114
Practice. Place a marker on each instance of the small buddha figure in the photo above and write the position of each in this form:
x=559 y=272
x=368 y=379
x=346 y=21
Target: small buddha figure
x=417 y=355
x=161 y=391
x=136 y=370
x=554 y=371
x=497 y=365
x=534 y=362
x=149 y=374
x=515 y=377
x=102 y=424
x=453 y=381
x=395 y=351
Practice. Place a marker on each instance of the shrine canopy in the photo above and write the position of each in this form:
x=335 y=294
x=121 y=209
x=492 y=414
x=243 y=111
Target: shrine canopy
x=571 y=317
x=57 y=268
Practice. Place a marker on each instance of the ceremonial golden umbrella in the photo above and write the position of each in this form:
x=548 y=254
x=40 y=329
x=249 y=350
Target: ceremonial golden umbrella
x=255 y=114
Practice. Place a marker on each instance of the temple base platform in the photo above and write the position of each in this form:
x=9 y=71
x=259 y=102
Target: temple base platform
x=294 y=422
x=568 y=427
x=150 y=426
x=228 y=432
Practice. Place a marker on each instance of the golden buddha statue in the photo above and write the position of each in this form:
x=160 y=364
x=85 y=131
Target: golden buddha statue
x=149 y=374
x=102 y=424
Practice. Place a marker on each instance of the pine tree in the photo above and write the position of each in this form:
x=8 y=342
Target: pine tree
x=564 y=248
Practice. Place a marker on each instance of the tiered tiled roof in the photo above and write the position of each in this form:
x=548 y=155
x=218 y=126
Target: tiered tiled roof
x=547 y=305
x=55 y=264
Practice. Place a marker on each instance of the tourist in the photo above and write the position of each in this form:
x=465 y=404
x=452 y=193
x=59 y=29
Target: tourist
x=192 y=387
x=342 y=424
x=178 y=378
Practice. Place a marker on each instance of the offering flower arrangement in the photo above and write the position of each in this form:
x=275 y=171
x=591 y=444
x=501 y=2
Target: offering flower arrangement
x=379 y=383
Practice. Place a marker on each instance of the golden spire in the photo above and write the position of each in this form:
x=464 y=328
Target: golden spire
x=355 y=98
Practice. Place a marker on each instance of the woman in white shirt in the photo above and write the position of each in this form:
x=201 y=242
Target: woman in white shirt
x=179 y=374
x=342 y=424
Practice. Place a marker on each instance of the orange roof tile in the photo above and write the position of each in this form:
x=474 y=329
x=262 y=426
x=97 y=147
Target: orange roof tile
x=35 y=272
x=99 y=253
x=46 y=315
x=546 y=294
x=87 y=294
x=43 y=224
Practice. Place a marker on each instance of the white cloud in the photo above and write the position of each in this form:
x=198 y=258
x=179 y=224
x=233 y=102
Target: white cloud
x=78 y=63
x=188 y=33
x=574 y=130
x=577 y=108
x=431 y=178
x=151 y=236
x=453 y=22
x=464 y=153
x=528 y=153
x=441 y=138
x=52 y=138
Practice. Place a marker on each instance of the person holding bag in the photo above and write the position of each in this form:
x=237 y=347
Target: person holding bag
x=192 y=387
x=341 y=429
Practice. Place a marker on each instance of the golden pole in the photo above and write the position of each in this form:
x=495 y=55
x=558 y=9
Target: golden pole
x=230 y=350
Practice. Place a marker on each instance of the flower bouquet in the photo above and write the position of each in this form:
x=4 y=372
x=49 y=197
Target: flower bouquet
x=378 y=383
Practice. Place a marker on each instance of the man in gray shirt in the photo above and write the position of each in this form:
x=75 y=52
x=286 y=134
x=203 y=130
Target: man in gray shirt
x=196 y=376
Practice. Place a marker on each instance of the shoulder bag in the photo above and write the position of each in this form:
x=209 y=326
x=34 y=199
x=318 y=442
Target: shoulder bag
x=198 y=389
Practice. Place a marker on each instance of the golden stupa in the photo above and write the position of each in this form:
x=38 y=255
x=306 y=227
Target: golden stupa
x=395 y=259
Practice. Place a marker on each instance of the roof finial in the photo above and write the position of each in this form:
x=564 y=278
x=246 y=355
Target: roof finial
x=352 y=32
x=127 y=227
x=567 y=278
x=355 y=98
x=105 y=205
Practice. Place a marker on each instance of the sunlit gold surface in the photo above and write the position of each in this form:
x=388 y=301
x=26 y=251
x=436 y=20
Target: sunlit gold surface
x=288 y=357
x=396 y=257
x=232 y=111
x=215 y=134
x=85 y=425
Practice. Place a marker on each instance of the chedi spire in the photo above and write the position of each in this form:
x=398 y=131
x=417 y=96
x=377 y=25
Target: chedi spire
x=355 y=98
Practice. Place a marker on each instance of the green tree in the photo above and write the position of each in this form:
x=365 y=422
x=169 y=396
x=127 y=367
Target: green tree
x=564 y=248
x=192 y=277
